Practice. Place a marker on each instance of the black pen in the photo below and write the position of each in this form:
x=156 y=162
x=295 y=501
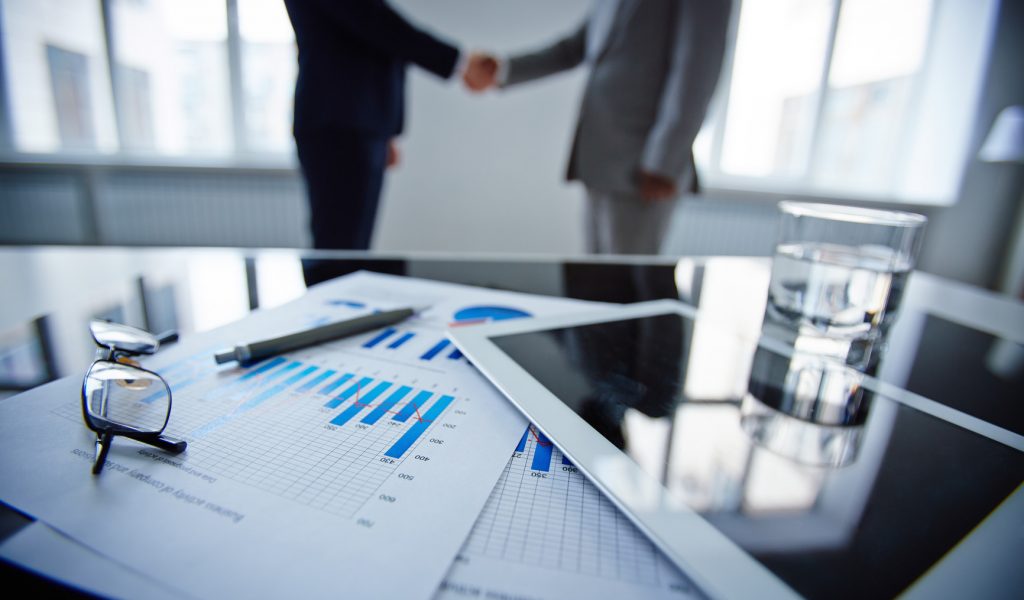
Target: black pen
x=247 y=354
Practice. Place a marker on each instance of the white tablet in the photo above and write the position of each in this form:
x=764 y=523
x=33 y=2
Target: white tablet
x=682 y=422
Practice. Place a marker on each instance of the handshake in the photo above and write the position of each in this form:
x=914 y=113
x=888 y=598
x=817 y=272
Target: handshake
x=481 y=72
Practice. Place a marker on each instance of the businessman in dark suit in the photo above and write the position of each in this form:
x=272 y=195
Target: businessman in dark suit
x=349 y=105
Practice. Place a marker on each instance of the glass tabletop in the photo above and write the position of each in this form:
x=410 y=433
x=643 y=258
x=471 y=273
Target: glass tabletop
x=953 y=344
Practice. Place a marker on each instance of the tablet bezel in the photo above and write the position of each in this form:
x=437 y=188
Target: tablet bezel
x=716 y=564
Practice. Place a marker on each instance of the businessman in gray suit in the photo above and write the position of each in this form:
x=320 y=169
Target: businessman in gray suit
x=654 y=66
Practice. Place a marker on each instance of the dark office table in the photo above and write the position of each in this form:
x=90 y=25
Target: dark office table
x=955 y=344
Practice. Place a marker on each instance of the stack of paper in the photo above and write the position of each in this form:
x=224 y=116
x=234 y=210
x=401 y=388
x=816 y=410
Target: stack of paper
x=354 y=469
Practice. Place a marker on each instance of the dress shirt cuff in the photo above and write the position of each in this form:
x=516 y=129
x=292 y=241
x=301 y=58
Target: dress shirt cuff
x=502 y=75
x=461 y=63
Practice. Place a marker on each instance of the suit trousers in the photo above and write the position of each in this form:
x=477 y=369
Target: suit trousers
x=618 y=223
x=344 y=172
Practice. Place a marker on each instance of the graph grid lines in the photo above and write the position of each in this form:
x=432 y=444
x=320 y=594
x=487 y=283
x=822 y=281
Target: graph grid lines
x=283 y=427
x=544 y=513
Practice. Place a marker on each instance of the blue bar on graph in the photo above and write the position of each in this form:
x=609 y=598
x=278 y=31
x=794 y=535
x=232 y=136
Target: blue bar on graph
x=175 y=387
x=566 y=461
x=270 y=364
x=330 y=387
x=312 y=383
x=435 y=350
x=522 y=442
x=417 y=429
x=360 y=404
x=385 y=406
x=280 y=372
x=542 y=453
x=405 y=338
x=380 y=338
x=268 y=393
x=349 y=303
x=455 y=355
x=348 y=393
x=419 y=400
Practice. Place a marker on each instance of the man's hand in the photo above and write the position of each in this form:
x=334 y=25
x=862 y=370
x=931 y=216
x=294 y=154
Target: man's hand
x=481 y=72
x=656 y=187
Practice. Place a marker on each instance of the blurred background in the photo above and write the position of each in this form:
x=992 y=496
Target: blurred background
x=168 y=122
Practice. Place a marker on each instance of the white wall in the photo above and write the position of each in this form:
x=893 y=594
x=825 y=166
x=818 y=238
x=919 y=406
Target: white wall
x=487 y=172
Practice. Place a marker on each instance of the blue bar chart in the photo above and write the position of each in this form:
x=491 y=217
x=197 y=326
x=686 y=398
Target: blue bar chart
x=350 y=398
x=549 y=521
x=312 y=383
x=349 y=392
x=334 y=385
x=402 y=339
x=542 y=454
x=380 y=337
x=357 y=398
x=334 y=427
x=396 y=343
x=413 y=406
x=435 y=350
x=542 y=450
x=387 y=405
x=360 y=403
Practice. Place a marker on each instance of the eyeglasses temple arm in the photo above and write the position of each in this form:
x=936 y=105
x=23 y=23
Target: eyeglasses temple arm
x=168 y=337
x=165 y=443
x=102 y=447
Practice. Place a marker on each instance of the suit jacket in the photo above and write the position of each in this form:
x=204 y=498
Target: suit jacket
x=654 y=67
x=352 y=60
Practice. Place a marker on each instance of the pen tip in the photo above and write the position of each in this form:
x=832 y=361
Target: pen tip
x=224 y=356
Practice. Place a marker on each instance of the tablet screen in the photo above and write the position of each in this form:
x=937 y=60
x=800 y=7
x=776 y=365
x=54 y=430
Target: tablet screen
x=864 y=512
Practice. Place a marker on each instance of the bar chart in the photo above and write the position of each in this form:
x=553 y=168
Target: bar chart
x=407 y=342
x=347 y=470
x=544 y=517
x=330 y=433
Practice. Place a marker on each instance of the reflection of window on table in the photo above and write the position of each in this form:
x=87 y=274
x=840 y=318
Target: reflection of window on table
x=69 y=76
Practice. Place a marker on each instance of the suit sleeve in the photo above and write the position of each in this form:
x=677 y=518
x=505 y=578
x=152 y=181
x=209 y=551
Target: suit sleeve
x=563 y=55
x=376 y=24
x=695 y=63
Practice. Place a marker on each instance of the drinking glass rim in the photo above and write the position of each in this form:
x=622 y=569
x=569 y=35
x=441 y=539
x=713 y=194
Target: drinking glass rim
x=853 y=214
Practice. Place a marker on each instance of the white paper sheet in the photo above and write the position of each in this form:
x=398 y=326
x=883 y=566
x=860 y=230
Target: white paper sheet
x=544 y=534
x=38 y=547
x=286 y=488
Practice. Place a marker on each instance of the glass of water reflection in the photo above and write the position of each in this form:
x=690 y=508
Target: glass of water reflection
x=838 y=277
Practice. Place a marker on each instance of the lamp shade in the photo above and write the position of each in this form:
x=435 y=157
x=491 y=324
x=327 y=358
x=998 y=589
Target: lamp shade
x=1005 y=141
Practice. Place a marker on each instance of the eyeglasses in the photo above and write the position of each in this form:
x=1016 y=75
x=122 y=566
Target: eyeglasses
x=119 y=397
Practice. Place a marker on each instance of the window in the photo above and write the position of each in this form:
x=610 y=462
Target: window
x=867 y=99
x=58 y=85
x=864 y=99
x=69 y=75
x=172 y=77
x=136 y=108
x=268 y=74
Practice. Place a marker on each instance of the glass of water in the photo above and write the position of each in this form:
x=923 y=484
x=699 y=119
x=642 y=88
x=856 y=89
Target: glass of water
x=839 y=271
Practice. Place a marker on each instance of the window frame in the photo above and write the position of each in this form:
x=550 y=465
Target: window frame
x=717 y=183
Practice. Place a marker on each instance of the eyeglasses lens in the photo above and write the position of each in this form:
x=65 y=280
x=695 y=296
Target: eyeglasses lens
x=122 y=395
x=123 y=337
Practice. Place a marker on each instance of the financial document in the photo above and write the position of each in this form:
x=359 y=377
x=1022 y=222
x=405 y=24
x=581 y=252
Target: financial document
x=547 y=532
x=330 y=470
